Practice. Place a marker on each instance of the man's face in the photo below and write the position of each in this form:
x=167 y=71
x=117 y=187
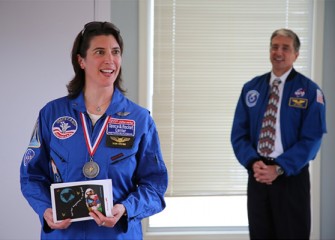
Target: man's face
x=282 y=54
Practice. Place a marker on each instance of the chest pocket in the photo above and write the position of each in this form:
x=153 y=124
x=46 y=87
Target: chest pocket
x=59 y=161
x=118 y=157
x=122 y=162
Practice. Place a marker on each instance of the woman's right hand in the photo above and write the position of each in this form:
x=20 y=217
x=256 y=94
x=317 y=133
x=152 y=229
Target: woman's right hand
x=49 y=219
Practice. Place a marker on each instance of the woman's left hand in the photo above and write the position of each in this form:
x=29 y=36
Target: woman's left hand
x=118 y=211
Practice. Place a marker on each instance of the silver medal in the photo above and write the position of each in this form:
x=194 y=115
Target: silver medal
x=91 y=169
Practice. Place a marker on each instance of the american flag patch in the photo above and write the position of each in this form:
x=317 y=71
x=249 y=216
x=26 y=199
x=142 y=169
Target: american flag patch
x=319 y=96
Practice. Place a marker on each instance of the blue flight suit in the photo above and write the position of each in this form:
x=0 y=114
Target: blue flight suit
x=303 y=123
x=136 y=166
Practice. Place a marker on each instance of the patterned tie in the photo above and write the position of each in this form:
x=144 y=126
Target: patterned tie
x=266 y=142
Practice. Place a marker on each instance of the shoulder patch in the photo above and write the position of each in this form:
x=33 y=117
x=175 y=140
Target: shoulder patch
x=29 y=154
x=35 y=139
x=319 y=96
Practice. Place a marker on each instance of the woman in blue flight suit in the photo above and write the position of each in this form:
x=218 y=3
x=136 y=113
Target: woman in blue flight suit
x=96 y=133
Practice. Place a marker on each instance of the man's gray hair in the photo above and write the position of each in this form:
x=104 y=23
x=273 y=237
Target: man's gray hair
x=287 y=33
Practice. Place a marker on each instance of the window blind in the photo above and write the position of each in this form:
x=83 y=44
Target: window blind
x=204 y=51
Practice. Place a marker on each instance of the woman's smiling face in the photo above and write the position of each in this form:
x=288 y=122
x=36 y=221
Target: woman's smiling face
x=102 y=63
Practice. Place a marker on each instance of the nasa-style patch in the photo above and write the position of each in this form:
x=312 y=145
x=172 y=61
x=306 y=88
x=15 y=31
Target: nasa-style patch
x=300 y=93
x=29 y=154
x=64 y=127
x=251 y=98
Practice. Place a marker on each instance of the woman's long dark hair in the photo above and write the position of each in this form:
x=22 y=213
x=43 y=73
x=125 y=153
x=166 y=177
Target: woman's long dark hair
x=80 y=46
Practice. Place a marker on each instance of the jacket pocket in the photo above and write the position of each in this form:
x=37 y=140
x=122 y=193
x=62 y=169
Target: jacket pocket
x=59 y=161
x=122 y=165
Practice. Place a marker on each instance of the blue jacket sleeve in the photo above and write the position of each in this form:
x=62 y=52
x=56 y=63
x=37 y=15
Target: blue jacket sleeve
x=244 y=149
x=303 y=148
x=151 y=177
x=35 y=173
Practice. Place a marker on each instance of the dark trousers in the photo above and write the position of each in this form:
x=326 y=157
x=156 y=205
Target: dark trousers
x=281 y=210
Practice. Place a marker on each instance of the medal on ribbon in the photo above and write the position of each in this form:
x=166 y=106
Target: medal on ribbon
x=91 y=169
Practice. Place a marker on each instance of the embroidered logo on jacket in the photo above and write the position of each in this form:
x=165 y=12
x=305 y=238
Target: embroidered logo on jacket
x=319 y=96
x=251 y=98
x=298 y=102
x=120 y=133
x=119 y=141
x=121 y=127
x=300 y=92
x=64 y=127
x=35 y=139
x=29 y=154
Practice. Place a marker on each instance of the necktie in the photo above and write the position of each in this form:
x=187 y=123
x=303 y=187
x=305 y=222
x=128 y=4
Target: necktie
x=266 y=142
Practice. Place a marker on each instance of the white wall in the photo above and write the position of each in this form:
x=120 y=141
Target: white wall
x=124 y=14
x=328 y=150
